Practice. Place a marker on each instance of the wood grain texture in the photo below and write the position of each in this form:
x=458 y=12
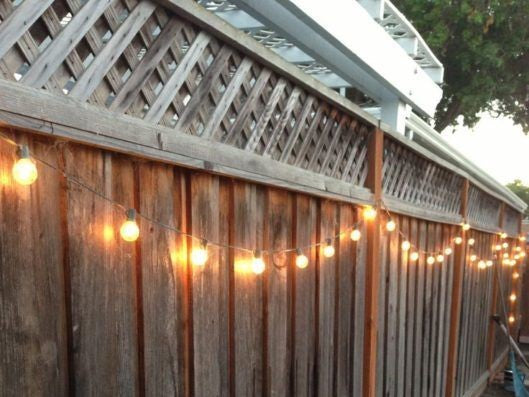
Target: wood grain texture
x=33 y=338
x=102 y=275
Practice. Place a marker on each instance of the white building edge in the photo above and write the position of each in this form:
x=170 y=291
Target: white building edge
x=365 y=44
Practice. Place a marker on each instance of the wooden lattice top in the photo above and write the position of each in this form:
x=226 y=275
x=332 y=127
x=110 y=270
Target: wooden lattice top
x=483 y=209
x=137 y=58
x=511 y=221
x=141 y=61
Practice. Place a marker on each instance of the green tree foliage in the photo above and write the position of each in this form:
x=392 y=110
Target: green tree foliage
x=521 y=190
x=484 y=46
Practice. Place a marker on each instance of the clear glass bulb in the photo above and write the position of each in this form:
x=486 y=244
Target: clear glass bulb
x=301 y=260
x=391 y=226
x=199 y=255
x=430 y=260
x=258 y=265
x=414 y=256
x=25 y=171
x=356 y=235
x=129 y=230
x=448 y=251
x=328 y=250
x=406 y=245
x=369 y=213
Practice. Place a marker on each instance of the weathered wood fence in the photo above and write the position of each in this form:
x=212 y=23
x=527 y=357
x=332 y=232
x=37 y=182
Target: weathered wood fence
x=162 y=107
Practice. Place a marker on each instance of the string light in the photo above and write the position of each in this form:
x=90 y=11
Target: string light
x=518 y=249
x=458 y=240
x=414 y=256
x=506 y=262
x=482 y=264
x=489 y=263
x=369 y=213
x=522 y=238
x=406 y=245
x=129 y=230
x=516 y=257
x=505 y=255
x=328 y=250
x=440 y=258
x=258 y=265
x=448 y=251
x=356 y=235
x=24 y=170
x=465 y=226
x=522 y=254
x=199 y=255
x=515 y=275
x=391 y=226
x=513 y=297
x=430 y=260
x=511 y=319
x=301 y=260
x=513 y=262
x=505 y=245
x=503 y=235
x=473 y=258
x=471 y=241
x=497 y=247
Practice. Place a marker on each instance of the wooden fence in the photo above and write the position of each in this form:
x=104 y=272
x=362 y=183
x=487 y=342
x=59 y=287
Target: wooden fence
x=162 y=107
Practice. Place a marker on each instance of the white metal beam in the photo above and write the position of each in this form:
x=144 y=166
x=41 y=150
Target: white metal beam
x=386 y=74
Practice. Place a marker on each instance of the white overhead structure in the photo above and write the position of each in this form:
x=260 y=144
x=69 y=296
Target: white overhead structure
x=367 y=44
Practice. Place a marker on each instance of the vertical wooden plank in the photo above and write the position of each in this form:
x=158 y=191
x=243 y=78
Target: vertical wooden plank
x=103 y=278
x=411 y=302
x=164 y=264
x=418 y=379
x=373 y=182
x=279 y=220
x=33 y=314
x=248 y=226
x=402 y=321
x=359 y=307
x=459 y=262
x=327 y=300
x=382 y=307
x=392 y=307
x=427 y=312
x=210 y=285
x=434 y=325
x=305 y=232
x=346 y=293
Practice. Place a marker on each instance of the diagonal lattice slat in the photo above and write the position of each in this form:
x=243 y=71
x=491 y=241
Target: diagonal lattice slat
x=483 y=210
x=412 y=178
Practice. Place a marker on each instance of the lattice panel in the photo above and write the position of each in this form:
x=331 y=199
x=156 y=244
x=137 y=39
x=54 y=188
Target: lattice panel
x=511 y=221
x=483 y=209
x=136 y=58
x=413 y=178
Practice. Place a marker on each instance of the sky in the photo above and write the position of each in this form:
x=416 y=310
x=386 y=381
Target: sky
x=496 y=145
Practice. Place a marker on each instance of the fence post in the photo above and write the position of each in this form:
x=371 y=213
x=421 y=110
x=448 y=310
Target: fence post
x=374 y=182
x=455 y=310
x=491 y=334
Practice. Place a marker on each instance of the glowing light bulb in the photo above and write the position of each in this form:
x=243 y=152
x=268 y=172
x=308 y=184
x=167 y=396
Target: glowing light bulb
x=497 y=247
x=522 y=238
x=505 y=255
x=489 y=263
x=471 y=241
x=199 y=255
x=406 y=245
x=414 y=256
x=512 y=297
x=516 y=257
x=24 y=170
x=511 y=319
x=458 y=240
x=430 y=260
x=503 y=235
x=448 y=251
x=129 y=230
x=506 y=262
x=522 y=254
x=391 y=226
x=301 y=260
x=518 y=249
x=513 y=262
x=328 y=250
x=482 y=265
x=440 y=258
x=369 y=213
x=473 y=258
x=505 y=245
x=515 y=275
x=465 y=226
x=258 y=265
x=355 y=235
